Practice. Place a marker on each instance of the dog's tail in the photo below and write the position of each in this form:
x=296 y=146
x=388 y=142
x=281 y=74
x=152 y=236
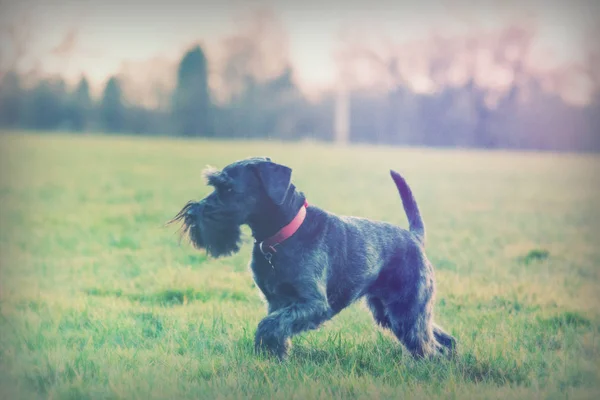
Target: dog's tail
x=416 y=226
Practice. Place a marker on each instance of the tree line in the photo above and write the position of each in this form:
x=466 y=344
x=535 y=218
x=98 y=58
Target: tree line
x=524 y=116
x=270 y=108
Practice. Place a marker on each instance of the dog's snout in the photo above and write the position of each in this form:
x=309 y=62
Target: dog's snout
x=195 y=209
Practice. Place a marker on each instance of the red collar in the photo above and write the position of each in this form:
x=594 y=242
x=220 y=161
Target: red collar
x=267 y=246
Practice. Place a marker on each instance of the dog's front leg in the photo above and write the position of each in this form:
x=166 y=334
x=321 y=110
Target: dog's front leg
x=274 y=331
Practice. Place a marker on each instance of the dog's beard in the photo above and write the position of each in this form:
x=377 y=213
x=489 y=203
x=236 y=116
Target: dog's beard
x=216 y=232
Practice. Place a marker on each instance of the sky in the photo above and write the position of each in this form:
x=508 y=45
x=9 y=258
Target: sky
x=106 y=34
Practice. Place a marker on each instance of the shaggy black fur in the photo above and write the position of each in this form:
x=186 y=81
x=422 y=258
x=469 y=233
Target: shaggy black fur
x=329 y=263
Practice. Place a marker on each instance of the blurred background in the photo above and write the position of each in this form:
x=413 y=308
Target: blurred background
x=446 y=73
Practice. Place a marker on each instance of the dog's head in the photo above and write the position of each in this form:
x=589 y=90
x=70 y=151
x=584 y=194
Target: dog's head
x=243 y=191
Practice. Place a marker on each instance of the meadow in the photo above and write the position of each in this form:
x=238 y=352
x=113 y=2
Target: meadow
x=98 y=300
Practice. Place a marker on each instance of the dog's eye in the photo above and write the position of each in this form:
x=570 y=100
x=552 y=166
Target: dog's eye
x=226 y=191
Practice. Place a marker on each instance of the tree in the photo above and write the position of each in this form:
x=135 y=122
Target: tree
x=379 y=75
x=437 y=61
x=511 y=54
x=112 y=110
x=81 y=105
x=11 y=100
x=255 y=53
x=46 y=105
x=191 y=100
x=592 y=70
x=257 y=84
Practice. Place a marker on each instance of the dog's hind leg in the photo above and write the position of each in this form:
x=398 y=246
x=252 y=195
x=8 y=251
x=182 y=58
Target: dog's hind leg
x=378 y=311
x=444 y=338
x=413 y=329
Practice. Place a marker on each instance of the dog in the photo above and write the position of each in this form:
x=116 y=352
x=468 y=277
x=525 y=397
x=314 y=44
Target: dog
x=310 y=264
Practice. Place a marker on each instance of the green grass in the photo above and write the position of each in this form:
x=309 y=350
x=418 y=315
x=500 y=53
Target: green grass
x=99 y=300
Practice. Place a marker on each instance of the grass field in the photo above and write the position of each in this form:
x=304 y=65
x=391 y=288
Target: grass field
x=99 y=300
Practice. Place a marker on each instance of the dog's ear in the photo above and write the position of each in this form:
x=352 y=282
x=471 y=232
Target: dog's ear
x=276 y=180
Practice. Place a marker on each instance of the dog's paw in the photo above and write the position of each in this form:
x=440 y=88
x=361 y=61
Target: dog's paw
x=273 y=348
x=269 y=341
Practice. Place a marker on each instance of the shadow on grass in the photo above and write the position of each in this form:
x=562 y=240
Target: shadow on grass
x=376 y=362
x=360 y=360
x=172 y=297
x=499 y=371
x=565 y=319
x=387 y=358
x=535 y=255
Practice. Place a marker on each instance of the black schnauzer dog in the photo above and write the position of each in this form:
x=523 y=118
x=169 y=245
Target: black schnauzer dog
x=310 y=264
